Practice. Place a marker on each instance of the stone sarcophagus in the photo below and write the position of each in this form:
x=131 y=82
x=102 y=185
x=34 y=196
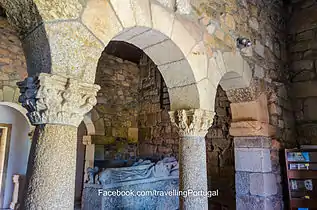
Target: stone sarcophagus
x=144 y=185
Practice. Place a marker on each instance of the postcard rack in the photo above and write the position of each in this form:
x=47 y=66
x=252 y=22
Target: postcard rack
x=302 y=178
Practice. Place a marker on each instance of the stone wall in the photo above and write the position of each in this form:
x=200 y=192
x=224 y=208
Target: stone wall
x=135 y=97
x=303 y=68
x=117 y=107
x=158 y=137
x=12 y=62
x=264 y=23
x=220 y=154
x=133 y=106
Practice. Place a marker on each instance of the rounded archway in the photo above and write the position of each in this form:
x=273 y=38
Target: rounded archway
x=15 y=147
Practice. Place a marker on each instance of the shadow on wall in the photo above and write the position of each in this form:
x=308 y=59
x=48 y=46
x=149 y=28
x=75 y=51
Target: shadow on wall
x=18 y=149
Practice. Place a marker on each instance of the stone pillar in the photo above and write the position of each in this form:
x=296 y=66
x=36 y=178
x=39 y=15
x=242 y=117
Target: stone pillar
x=258 y=181
x=89 y=155
x=193 y=126
x=56 y=106
x=18 y=181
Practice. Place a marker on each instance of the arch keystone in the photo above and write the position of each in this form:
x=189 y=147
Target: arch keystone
x=100 y=18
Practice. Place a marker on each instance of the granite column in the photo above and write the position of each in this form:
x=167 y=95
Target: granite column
x=193 y=126
x=56 y=106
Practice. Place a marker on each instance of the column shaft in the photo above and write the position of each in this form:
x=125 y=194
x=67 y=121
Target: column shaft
x=193 y=172
x=51 y=169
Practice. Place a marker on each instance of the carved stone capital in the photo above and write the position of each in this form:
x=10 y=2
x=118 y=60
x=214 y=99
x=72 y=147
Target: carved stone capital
x=54 y=99
x=193 y=122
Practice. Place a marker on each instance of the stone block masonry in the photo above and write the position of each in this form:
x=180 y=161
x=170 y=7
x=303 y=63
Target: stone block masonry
x=303 y=68
x=258 y=175
x=220 y=154
x=134 y=96
x=133 y=104
x=12 y=62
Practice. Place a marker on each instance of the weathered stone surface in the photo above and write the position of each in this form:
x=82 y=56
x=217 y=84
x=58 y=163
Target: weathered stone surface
x=233 y=15
x=241 y=111
x=307 y=133
x=67 y=104
x=91 y=200
x=12 y=60
x=183 y=6
x=75 y=51
x=49 y=168
x=252 y=142
x=259 y=49
x=198 y=61
x=242 y=180
x=193 y=122
x=180 y=35
x=306 y=21
x=252 y=160
x=302 y=65
x=162 y=19
x=142 y=12
x=171 y=72
x=306 y=35
x=164 y=52
x=148 y=201
x=254 y=203
x=125 y=14
x=100 y=18
x=310 y=112
x=259 y=72
x=263 y=184
x=26 y=23
x=8 y=93
x=193 y=171
x=57 y=10
x=304 y=89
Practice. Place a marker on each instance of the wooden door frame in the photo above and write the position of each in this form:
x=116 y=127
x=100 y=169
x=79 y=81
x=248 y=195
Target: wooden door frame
x=4 y=158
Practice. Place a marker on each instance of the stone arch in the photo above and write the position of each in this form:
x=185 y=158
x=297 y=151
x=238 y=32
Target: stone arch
x=98 y=122
x=233 y=71
x=89 y=124
x=20 y=109
x=165 y=38
x=27 y=21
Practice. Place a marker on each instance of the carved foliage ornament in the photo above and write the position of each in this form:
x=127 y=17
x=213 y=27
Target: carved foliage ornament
x=55 y=99
x=194 y=122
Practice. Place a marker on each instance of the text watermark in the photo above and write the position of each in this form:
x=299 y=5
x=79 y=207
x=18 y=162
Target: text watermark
x=144 y=193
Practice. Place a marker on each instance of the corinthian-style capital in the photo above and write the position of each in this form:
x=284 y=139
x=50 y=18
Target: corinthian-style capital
x=193 y=122
x=54 y=99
